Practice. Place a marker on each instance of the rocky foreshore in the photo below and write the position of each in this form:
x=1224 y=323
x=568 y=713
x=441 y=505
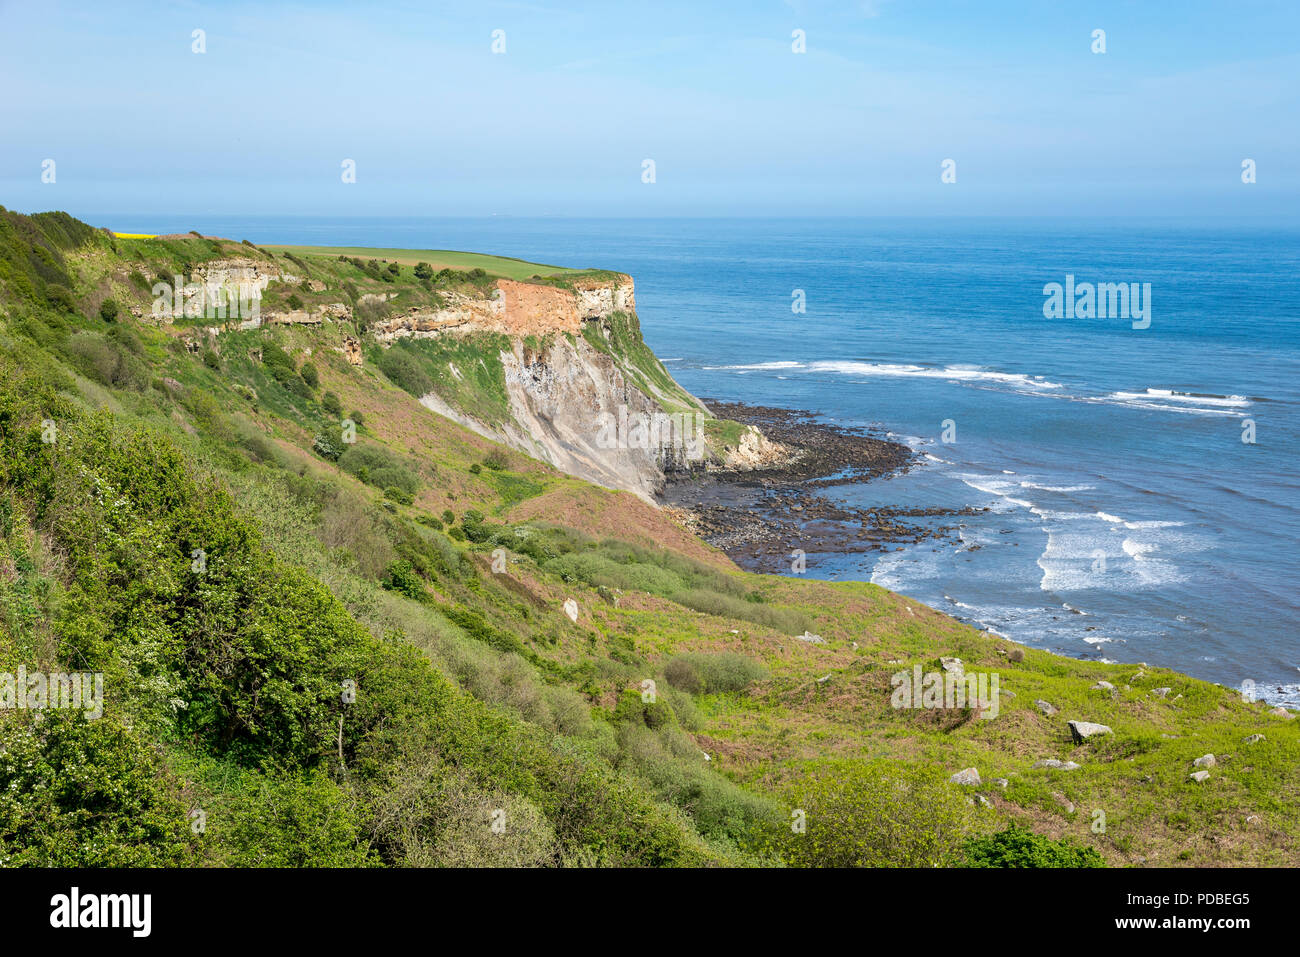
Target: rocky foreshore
x=760 y=517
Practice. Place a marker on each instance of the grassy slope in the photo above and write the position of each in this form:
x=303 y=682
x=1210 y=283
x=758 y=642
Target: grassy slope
x=505 y=266
x=504 y=639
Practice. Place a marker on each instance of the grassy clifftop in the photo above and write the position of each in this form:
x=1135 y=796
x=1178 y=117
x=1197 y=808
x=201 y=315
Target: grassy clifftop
x=320 y=651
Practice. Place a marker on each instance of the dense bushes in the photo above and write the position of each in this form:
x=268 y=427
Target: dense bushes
x=700 y=673
x=873 y=814
x=375 y=465
x=213 y=646
x=405 y=371
x=1017 y=847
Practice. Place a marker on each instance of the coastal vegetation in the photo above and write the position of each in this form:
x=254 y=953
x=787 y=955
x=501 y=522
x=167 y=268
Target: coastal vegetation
x=332 y=628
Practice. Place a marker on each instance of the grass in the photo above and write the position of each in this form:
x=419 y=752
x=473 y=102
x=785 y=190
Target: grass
x=505 y=266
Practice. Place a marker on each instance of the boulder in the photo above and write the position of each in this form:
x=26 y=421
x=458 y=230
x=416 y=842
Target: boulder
x=1058 y=765
x=1081 y=731
x=1205 y=761
x=1280 y=712
x=1046 y=708
x=967 y=777
x=1103 y=686
x=1200 y=776
x=954 y=667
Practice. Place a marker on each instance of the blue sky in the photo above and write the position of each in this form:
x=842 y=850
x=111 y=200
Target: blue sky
x=736 y=123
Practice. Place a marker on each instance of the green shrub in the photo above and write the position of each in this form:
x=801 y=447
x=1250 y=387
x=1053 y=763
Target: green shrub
x=395 y=494
x=1018 y=847
x=108 y=310
x=375 y=465
x=874 y=814
x=332 y=406
x=703 y=673
x=324 y=446
x=401 y=578
x=295 y=821
x=309 y=375
x=405 y=371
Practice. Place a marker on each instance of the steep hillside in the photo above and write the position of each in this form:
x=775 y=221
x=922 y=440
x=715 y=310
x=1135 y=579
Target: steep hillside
x=337 y=626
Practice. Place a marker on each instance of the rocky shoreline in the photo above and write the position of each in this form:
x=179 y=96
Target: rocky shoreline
x=761 y=517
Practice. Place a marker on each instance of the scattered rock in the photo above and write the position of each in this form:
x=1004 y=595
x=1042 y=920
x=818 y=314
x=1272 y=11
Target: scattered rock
x=1001 y=782
x=1281 y=712
x=1161 y=692
x=1058 y=765
x=1046 y=708
x=1103 y=686
x=352 y=351
x=967 y=777
x=571 y=609
x=823 y=679
x=1251 y=739
x=1081 y=731
x=812 y=639
x=1252 y=818
x=1200 y=776
x=954 y=667
x=1205 y=761
x=1065 y=802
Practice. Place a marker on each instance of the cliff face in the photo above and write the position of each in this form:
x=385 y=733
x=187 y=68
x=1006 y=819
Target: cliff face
x=586 y=409
x=515 y=309
x=582 y=390
x=575 y=407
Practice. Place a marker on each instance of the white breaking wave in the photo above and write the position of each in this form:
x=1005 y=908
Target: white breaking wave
x=1160 y=400
x=961 y=373
x=1058 y=488
x=1191 y=403
x=1169 y=395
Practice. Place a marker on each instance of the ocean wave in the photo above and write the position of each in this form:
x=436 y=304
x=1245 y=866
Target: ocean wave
x=961 y=373
x=1151 y=399
x=1157 y=400
x=1057 y=488
x=1197 y=398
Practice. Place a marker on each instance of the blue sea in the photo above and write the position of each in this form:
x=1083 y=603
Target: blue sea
x=1127 y=520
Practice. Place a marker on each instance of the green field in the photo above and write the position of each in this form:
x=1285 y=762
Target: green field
x=438 y=258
